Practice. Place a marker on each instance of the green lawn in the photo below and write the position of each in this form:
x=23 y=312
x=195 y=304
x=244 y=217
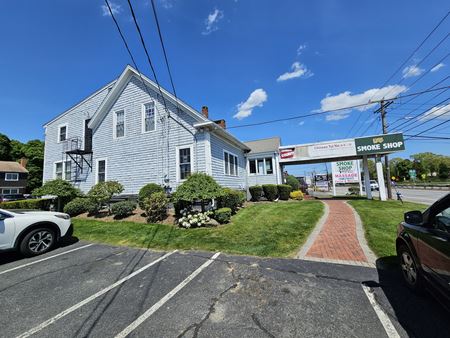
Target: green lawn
x=265 y=229
x=380 y=220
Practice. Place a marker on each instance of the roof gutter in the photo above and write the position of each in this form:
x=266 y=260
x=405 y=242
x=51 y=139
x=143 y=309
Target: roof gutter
x=215 y=128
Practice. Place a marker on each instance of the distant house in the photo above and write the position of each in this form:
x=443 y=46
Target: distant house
x=13 y=177
x=124 y=132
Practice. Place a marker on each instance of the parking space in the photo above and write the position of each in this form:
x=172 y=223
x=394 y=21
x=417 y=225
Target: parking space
x=93 y=290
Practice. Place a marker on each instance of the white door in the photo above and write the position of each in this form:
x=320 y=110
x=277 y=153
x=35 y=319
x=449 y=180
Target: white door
x=7 y=231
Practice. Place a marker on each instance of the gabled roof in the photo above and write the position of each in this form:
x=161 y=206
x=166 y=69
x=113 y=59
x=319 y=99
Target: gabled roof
x=264 y=145
x=11 y=167
x=120 y=84
x=123 y=80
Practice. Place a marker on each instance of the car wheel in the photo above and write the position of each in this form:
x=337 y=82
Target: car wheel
x=410 y=271
x=37 y=242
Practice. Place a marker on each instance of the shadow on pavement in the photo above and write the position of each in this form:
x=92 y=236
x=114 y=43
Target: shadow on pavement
x=12 y=256
x=419 y=315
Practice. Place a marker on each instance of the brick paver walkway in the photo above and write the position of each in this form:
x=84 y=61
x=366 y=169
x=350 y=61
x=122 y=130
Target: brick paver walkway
x=338 y=239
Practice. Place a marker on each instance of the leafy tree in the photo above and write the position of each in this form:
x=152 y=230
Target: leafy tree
x=5 y=148
x=63 y=190
x=444 y=170
x=403 y=168
x=198 y=187
x=293 y=182
x=16 y=150
x=393 y=165
x=103 y=192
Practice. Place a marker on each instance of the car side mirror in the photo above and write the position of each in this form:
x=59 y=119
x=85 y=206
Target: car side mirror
x=414 y=217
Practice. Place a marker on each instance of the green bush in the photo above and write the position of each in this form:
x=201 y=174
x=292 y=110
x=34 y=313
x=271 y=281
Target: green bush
x=146 y=191
x=293 y=182
x=296 y=195
x=102 y=192
x=155 y=207
x=64 y=191
x=270 y=191
x=123 y=208
x=256 y=192
x=78 y=205
x=40 y=204
x=222 y=215
x=198 y=187
x=283 y=191
x=232 y=199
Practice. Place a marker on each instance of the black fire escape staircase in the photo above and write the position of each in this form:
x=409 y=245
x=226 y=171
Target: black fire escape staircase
x=80 y=158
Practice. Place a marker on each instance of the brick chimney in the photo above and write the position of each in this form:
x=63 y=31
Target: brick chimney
x=205 y=111
x=221 y=123
x=23 y=162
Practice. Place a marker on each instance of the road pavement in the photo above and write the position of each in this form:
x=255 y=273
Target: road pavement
x=107 y=291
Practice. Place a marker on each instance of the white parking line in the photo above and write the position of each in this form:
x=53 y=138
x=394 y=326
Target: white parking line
x=130 y=328
x=91 y=298
x=45 y=259
x=384 y=319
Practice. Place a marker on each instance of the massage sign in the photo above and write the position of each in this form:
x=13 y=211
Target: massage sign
x=381 y=144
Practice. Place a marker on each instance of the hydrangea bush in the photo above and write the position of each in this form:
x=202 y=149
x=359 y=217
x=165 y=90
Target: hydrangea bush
x=194 y=219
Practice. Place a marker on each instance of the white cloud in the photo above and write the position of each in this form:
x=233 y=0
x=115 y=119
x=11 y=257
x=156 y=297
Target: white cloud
x=347 y=99
x=439 y=112
x=412 y=71
x=301 y=123
x=437 y=67
x=211 y=21
x=300 y=49
x=115 y=9
x=256 y=99
x=298 y=70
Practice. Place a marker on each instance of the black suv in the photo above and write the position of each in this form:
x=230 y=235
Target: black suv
x=423 y=248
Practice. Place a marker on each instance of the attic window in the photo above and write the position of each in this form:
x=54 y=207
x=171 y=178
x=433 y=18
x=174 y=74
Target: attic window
x=11 y=177
x=62 y=133
x=119 y=124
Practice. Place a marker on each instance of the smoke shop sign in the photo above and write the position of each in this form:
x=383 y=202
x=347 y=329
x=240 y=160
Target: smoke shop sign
x=381 y=144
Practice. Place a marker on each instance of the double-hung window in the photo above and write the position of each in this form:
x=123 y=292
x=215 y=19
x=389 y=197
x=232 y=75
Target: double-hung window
x=62 y=133
x=184 y=162
x=101 y=171
x=63 y=170
x=148 y=117
x=68 y=171
x=11 y=177
x=231 y=164
x=10 y=191
x=261 y=166
x=59 y=170
x=119 y=121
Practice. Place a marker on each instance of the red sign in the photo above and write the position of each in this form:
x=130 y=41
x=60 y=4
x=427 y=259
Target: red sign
x=287 y=153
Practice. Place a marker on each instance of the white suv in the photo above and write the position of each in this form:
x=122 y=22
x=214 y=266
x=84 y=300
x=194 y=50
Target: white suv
x=32 y=232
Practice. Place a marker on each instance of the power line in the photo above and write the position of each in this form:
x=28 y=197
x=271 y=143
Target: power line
x=415 y=51
x=433 y=118
x=331 y=110
x=431 y=128
x=428 y=137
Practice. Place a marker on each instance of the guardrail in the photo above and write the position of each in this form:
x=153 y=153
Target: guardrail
x=424 y=187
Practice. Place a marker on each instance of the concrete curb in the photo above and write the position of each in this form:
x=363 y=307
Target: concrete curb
x=371 y=257
x=312 y=237
x=339 y=261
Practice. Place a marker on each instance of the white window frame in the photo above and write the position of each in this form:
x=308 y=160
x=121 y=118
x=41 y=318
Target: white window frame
x=63 y=170
x=177 y=153
x=10 y=191
x=96 y=168
x=143 y=117
x=264 y=165
x=236 y=174
x=13 y=179
x=115 y=122
x=58 y=139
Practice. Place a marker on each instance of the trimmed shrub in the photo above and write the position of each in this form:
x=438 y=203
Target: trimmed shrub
x=123 y=209
x=64 y=191
x=40 y=204
x=256 y=191
x=283 y=191
x=78 y=206
x=102 y=192
x=293 y=182
x=146 y=191
x=155 y=207
x=194 y=219
x=222 y=215
x=270 y=191
x=232 y=199
x=297 y=195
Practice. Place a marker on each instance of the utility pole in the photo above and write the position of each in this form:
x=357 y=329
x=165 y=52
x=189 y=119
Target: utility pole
x=383 y=106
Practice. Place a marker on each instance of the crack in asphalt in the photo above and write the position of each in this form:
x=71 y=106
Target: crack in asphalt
x=261 y=327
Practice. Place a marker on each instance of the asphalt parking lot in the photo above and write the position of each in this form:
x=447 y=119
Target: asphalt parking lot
x=93 y=290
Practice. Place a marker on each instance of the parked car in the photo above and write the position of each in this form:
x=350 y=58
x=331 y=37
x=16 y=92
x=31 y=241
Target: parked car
x=11 y=197
x=423 y=249
x=32 y=232
x=373 y=185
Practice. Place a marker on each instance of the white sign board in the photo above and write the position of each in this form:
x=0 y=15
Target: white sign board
x=318 y=151
x=345 y=172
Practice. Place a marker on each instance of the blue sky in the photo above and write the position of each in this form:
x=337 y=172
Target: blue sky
x=248 y=60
